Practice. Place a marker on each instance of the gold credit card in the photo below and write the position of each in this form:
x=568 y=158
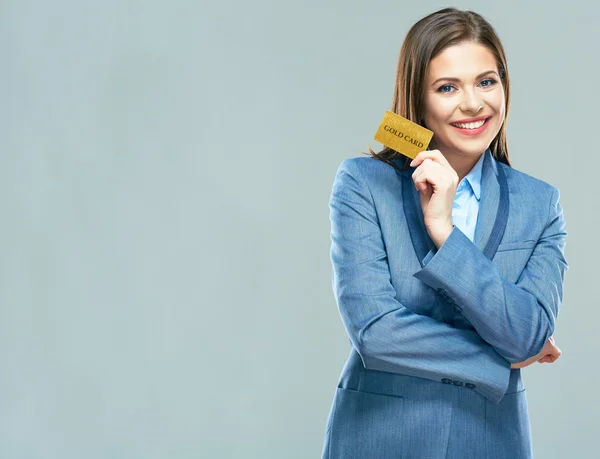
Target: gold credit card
x=403 y=135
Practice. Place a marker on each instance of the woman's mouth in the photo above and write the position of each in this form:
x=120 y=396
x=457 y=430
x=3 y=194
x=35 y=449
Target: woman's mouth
x=473 y=127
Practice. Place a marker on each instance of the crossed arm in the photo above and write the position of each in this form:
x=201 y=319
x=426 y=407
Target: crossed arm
x=517 y=319
x=390 y=337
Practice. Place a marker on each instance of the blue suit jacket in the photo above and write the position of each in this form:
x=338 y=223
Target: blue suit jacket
x=434 y=331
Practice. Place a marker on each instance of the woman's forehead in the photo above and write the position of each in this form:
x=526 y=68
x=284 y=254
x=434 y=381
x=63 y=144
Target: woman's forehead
x=462 y=61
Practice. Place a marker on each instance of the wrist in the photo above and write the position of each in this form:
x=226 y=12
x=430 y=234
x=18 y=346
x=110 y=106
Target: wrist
x=440 y=234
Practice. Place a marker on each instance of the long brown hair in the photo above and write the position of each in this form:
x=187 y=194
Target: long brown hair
x=425 y=40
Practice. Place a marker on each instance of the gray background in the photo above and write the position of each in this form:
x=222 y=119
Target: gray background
x=165 y=284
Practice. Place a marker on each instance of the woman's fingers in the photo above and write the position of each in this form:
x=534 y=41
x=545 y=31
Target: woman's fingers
x=421 y=175
x=431 y=166
x=435 y=174
x=433 y=155
x=548 y=359
x=551 y=353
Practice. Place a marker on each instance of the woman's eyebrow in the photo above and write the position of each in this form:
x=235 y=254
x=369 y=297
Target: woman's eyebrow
x=481 y=75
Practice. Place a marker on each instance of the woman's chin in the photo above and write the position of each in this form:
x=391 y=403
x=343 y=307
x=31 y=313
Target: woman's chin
x=465 y=149
x=470 y=146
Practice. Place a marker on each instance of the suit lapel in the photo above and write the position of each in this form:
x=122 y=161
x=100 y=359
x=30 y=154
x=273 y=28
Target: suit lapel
x=493 y=207
x=415 y=219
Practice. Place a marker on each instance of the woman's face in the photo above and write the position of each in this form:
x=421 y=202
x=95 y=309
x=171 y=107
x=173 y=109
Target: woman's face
x=464 y=100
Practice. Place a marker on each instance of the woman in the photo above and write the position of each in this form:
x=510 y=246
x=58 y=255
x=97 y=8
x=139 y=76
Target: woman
x=447 y=269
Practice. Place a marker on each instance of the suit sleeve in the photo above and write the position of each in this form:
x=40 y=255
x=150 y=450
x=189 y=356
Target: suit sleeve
x=515 y=318
x=387 y=335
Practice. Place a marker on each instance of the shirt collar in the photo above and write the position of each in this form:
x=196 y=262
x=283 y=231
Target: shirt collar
x=474 y=177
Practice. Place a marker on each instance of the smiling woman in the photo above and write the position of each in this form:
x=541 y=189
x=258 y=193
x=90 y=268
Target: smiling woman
x=448 y=269
x=453 y=69
x=464 y=102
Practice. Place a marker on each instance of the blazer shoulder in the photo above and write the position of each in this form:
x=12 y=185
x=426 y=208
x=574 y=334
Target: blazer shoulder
x=368 y=168
x=527 y=184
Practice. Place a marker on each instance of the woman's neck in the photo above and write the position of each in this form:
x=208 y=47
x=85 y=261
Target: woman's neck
x=461 y=163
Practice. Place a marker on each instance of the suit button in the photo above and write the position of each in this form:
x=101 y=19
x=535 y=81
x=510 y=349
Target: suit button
x=449 y=300
x=470 y=386
x=442 y=292
x=457 y=307
x=457 y=383
x=447 y=381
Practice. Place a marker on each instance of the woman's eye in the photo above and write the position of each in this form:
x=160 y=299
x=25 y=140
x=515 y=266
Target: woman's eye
x=488 y=82
x=446 y=88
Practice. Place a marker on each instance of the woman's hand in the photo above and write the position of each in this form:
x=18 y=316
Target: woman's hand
x=549 y=354
x=436 y=180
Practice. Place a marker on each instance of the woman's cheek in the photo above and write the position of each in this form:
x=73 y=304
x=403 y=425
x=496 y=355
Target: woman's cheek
x=496 y=100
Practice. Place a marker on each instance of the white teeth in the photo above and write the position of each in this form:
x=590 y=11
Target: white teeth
x=474 y=125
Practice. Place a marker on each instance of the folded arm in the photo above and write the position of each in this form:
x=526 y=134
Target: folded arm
x=387 y=335
x=515 y=318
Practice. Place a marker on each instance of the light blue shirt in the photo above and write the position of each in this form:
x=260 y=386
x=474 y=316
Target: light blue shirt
x=466 y=201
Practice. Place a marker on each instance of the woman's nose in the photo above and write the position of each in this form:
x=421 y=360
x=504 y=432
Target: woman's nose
x=471 y=102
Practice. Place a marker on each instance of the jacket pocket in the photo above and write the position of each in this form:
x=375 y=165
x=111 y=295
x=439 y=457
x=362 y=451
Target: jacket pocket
x=365 y=425
x=511 y=258
x=518 y=245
